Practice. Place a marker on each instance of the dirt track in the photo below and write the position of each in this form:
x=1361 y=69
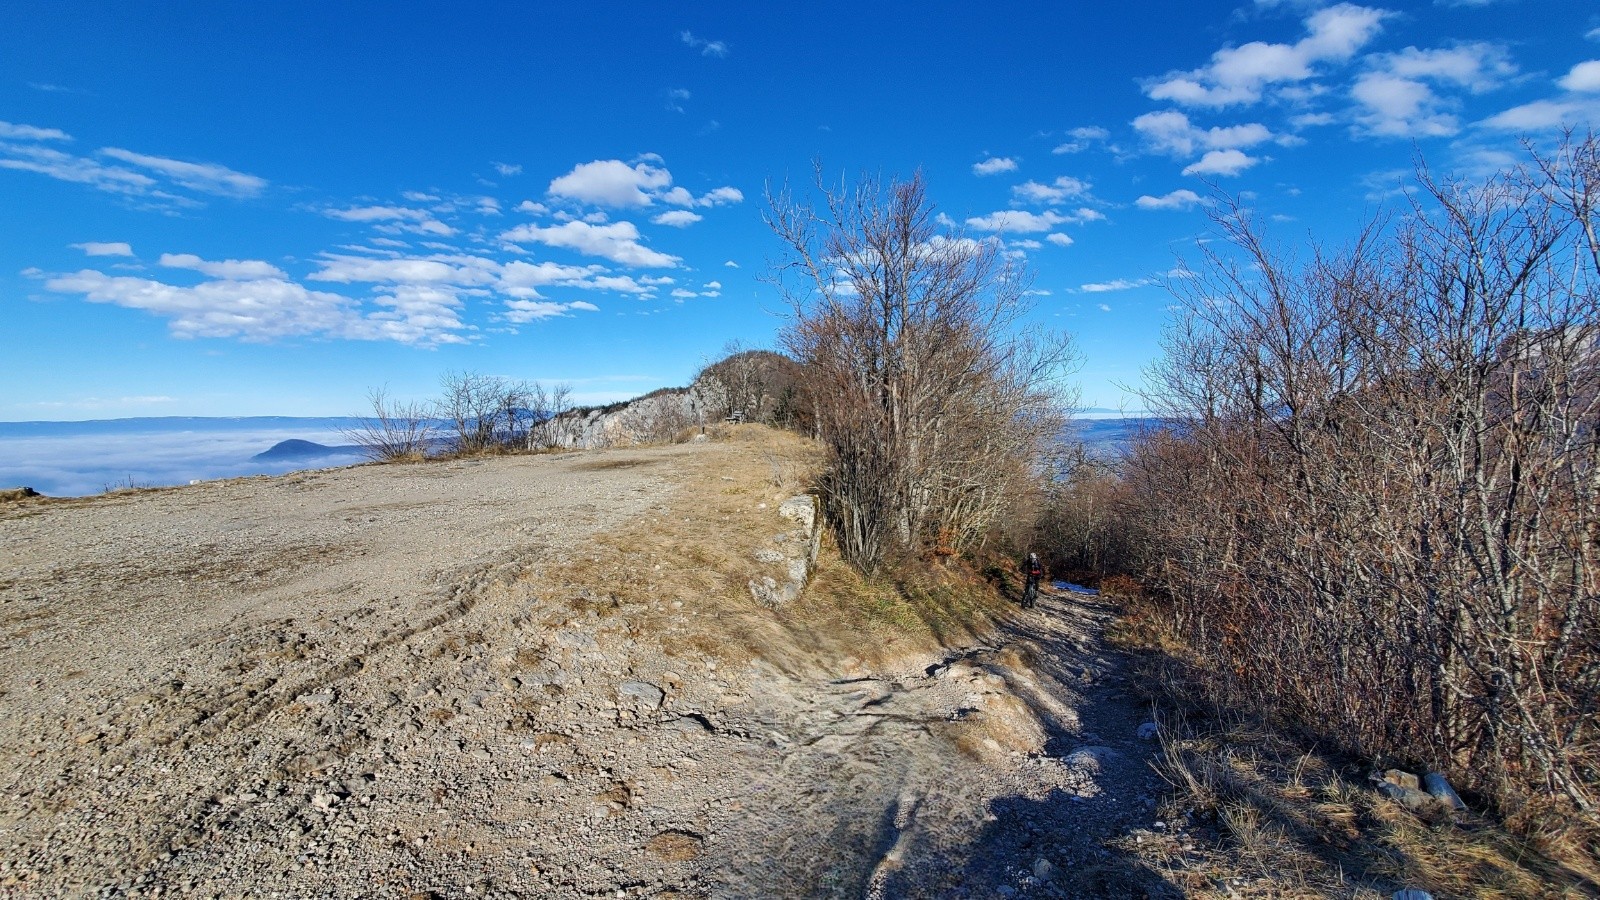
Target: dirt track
x=365 y=683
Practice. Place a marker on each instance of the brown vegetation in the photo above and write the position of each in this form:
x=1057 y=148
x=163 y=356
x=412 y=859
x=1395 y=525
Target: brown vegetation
x=1376 y=516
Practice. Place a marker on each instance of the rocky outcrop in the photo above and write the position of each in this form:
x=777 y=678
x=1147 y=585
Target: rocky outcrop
x=794 y=555
x=657 y=418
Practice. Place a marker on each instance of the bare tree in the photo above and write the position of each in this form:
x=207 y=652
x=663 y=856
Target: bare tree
x=394 y=431
x=933 y=404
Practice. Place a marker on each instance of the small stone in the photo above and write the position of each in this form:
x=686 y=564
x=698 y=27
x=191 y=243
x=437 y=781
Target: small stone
x=1148 y=731
x=1411 y=894
x=1043 y=869
x=1401 y=778
x=642 y=691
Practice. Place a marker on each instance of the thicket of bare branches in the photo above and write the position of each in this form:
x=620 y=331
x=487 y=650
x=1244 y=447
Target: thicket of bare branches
x=478 y=413
x=934 y=406
x=489 y=412
x=395 y=430
x=1378 y=514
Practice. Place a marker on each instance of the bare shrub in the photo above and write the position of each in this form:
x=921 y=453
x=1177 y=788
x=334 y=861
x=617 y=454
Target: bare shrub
x=1378 y=513
x=394 y=431
x=934 y=405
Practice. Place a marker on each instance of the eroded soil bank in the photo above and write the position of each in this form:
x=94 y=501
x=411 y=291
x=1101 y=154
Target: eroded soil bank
x=415 y=681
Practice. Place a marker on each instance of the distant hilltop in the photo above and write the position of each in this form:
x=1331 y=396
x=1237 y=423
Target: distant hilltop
x=294 y=448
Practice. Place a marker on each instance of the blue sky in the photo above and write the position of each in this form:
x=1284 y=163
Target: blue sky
x=254 y=209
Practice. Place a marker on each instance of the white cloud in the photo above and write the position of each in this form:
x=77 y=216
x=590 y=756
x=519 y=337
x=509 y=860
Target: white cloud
x=1585 y=76
x=1221 y=162
x=676 y=98
x=731 y=264
x=1082 y=139
x=683 y=294
x=1400 y=96
x=1116 y=284
x=1018 y=221
x=228 y=269
x=1028 y=244
x=1392 y=106
x=81 y=170
x=1592 y=34
x=611 y=182
x=1477 y=66
x=994 y=166
x=533 y=310
x=463 y=270
x=416 y=221
x=1170 y=131
x=706 y=48
x=266 y=309
x=1105 y=307
x=1059 y=239
x=1058 y=191
x=208 y=178
x=528 y=206
x=105 y=248
x=677 y=218
x=713 y=285
x=721 y=196
x=10 y=132
x=1179 y=199
x=507 y=169
x=618 y=242
x=1241 y=74
x=1540 y=115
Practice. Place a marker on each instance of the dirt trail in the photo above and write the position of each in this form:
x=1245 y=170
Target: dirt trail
x=365 y=683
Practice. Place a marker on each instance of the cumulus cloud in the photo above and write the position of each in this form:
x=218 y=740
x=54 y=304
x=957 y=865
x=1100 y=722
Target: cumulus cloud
x=1179 y=199
x=677 y=218
x=994 y=165
x=1221 y=162
x=207 y=178
x=1082 y=139
x=443 y=270
x=618 y=242
x=1391 y=106
x=507 y=169
x=263 y=309
x=105 y=248
x=1239 y=75
x=1058 y=191
x=1400 y=96
x=611 y=182
x=1059 y=239
x=1170 y=131
x=228 y=269
x=1585 y=76
x=706 y=48
x=1018 y=221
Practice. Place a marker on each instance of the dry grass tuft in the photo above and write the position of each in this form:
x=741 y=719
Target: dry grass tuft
x=1279 y=819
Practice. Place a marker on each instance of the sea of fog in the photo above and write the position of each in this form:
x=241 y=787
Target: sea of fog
x=69 y=459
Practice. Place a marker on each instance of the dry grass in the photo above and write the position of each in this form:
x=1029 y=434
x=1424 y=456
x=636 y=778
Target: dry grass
x=1277 y=818
x=681 y=573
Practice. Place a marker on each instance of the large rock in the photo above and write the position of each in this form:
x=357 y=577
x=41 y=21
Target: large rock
x=796 y=554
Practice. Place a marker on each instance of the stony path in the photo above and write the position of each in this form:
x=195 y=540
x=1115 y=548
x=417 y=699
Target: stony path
x=363 y=684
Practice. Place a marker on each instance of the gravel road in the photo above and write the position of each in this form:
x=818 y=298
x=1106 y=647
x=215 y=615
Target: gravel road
x=363 y=683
